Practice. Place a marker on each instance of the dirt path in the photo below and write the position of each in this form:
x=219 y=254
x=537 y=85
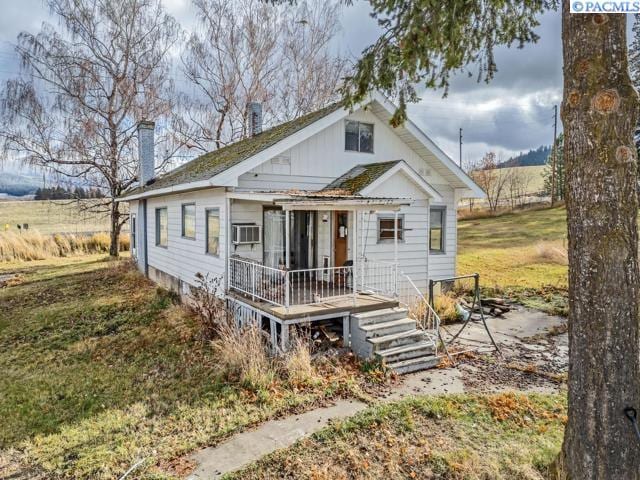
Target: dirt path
x=534 y=358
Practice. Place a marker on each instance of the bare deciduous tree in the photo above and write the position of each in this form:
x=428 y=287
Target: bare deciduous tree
x=491 y=179
x=518 y=181
x=247 y=50
x=84 y=86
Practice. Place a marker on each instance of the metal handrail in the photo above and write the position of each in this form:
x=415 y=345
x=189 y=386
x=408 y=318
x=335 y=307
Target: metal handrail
x=430 y=310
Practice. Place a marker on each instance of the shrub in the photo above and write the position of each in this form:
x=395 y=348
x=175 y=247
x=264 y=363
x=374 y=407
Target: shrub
x=445 y=307
x=207 y=304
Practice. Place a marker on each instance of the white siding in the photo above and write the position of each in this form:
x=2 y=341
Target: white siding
x=183 y=258
x=316 y=162
x=320 y=159
x=243 y=211
x=311 y=165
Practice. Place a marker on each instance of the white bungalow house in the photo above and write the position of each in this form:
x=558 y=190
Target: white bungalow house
x=334 y=215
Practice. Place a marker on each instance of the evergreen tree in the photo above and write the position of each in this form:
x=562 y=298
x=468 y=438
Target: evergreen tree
x=547 y=172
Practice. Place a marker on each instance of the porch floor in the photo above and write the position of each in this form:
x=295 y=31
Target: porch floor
x=328 y=307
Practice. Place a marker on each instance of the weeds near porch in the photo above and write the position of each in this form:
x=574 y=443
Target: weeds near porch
x=207 y=304
x=298 y=363
x=243 y=355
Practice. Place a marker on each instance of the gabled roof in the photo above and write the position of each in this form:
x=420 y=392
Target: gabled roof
x=211 y=164
x=359 y=177
x=223 y=167
x=363 y=179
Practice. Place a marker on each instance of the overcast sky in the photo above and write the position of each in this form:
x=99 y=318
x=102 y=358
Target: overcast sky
x=511 y=114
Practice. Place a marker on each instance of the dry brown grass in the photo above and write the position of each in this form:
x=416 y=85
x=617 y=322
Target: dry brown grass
x=32 y=245
x=297 y=362
x=243 y=355
x=445 y=307
x=550 y=252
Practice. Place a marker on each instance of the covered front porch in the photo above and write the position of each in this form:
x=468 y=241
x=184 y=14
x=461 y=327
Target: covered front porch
x=310 y=258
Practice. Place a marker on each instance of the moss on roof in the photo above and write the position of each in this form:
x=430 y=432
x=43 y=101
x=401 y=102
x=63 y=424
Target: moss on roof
x=213 y=163
x=360 y=177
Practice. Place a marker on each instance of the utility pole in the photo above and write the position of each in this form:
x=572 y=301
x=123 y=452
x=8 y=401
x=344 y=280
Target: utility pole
x=553 y=161
x=460 y=140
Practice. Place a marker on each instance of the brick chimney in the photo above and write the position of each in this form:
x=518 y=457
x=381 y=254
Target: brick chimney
x=146 y=153
x=254 y=110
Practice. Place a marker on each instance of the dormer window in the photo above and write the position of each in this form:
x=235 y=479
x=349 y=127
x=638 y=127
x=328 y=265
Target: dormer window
x=358 y=137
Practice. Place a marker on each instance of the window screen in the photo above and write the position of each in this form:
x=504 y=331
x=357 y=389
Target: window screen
x=189 y=220
x=436 y=229
x=358 y=137
x=213 y=231
x=162 y=227
x=386 y=230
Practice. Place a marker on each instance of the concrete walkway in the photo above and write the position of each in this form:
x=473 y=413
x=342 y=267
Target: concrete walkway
x=247 y=447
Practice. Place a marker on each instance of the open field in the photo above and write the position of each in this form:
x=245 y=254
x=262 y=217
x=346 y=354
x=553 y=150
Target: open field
x=52 y=216
x=518 y=252
x=534 y=174
x=100 y=369
x=501 y=437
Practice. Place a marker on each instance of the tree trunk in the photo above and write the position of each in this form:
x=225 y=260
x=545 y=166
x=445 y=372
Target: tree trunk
x=114 y=243
x=599 y=112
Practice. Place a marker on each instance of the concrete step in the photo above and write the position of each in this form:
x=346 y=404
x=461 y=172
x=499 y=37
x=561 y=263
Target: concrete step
x=387 y=328
x=414 y=364
x=406 y=352
x=396 y=340
x=377 y=316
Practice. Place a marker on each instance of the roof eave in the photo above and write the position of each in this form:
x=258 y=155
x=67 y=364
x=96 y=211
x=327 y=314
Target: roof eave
x=429 y=144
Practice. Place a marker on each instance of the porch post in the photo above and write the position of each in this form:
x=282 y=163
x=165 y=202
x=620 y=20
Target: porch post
x=395 y=251
x=287 y=255
x=287 y=225
x=395 y=237
x=354 y=274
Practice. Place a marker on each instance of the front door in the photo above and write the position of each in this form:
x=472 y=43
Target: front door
x=341 y=238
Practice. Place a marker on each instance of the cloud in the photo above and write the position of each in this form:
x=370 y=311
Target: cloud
x=511 y=114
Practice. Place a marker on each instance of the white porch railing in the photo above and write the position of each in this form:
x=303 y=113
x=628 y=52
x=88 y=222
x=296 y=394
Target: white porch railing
x=313 y=285
x=378 y=277
x=258 y=281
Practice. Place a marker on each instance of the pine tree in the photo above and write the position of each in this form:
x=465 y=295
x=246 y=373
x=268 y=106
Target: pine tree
x=547 y=172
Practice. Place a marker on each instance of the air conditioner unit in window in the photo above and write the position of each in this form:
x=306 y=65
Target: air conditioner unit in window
x=245 y=233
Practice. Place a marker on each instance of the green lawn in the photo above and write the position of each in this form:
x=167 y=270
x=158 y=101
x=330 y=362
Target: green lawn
x=522 y=254
x=499 y=437
x=101 y=369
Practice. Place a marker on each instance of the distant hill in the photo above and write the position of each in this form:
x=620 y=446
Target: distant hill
x=531 y=158
x=19 y=184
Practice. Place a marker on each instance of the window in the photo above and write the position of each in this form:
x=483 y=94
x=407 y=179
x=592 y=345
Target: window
x=132 y=227
x=189 y=220
x=162 y=227
x=436 y=229
x=386 y=230
x=358 y=137
x=213 y=231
